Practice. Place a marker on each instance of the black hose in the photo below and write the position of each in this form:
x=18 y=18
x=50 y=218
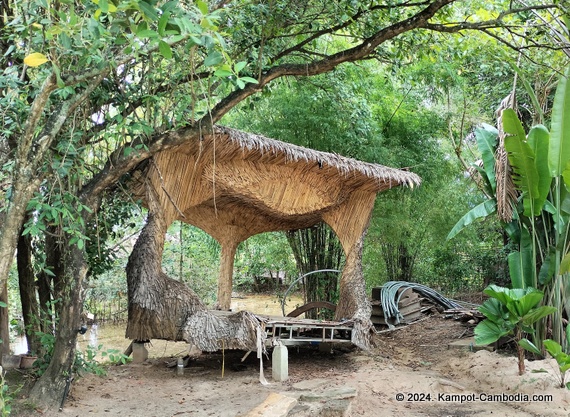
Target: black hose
x=390 y=298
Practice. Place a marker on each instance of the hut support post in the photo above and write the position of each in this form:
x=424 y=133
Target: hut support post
x=350 y=223
x=225 y=280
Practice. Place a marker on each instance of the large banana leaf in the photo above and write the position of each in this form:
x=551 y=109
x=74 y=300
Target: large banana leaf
x=521 y=158
x=521 y=265
x=559 y=153
x=548 y=267
x=486 y=136
x=539 y=139
x=482 y=210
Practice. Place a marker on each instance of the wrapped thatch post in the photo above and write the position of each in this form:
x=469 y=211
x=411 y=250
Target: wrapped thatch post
x=350 y=223
x=163 y=308
x=225 y=280
x=234 y=185
x=158 y=305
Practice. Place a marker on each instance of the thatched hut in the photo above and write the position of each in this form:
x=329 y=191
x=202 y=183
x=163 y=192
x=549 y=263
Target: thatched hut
x=234 y=185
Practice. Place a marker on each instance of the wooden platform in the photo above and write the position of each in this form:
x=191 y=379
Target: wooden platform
x=294 y=331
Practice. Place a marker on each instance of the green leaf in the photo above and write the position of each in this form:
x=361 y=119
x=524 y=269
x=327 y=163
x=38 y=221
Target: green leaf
x=524 y=300
x=223 y=73
x=148 y=10
x=249 y=80
x=529 y=90
x=162 y=22
x=565 y=264
x=521 y=158
x=521 y=266
x=487 y=332
x=539 y=140
x=486 y=136
x=147 y=33
x=537 y=314
x=500 y=293
x=196 y=40
x=214 y=58
x=493 y=310
x=104 y=6
x=546 y=272
x=559 y=150
x=531 y=347
x=202 y=6
x=239 y=66
x=3 y=304
x=164 y=49
x=552 y=347
x=482 y=210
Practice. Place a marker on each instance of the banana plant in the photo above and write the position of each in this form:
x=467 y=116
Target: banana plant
x=541 y=172
x=511 y=312
x=540 y=162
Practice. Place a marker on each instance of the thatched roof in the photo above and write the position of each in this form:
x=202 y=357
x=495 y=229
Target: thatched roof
x=272 y=151
x=254 y=184
x=233 y=185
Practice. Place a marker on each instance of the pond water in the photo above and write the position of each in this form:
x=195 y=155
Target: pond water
x=112 y=336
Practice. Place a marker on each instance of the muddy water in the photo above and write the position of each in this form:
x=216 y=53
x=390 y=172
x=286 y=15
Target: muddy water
x=111 y=336
x=265 y=304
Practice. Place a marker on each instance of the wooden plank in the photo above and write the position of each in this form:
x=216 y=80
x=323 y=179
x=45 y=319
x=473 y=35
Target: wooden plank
x=309 y=306
x=408 y=308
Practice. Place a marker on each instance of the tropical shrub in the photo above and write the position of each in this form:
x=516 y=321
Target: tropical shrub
x=511 y=312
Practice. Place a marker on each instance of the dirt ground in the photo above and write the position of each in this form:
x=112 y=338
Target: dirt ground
x=411 y=372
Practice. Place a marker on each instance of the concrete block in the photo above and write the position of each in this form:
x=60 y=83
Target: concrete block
x=329 y=395
x=280 y=363
x=140 y=352
x=311 y=384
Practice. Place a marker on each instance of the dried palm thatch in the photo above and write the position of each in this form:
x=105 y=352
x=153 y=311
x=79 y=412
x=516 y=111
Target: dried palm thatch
x=283 y=186
x=233 y=185
x=163 y=308
x=506 y=191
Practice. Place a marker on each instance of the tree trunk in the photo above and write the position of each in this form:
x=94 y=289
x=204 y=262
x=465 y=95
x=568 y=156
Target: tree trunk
x=4 y=323
x=520 y=350
x=23 y=190
x=48 y=390
x=28 y=293
x=44 y=295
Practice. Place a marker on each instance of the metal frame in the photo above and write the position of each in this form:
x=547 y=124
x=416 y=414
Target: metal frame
x=299 y=279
